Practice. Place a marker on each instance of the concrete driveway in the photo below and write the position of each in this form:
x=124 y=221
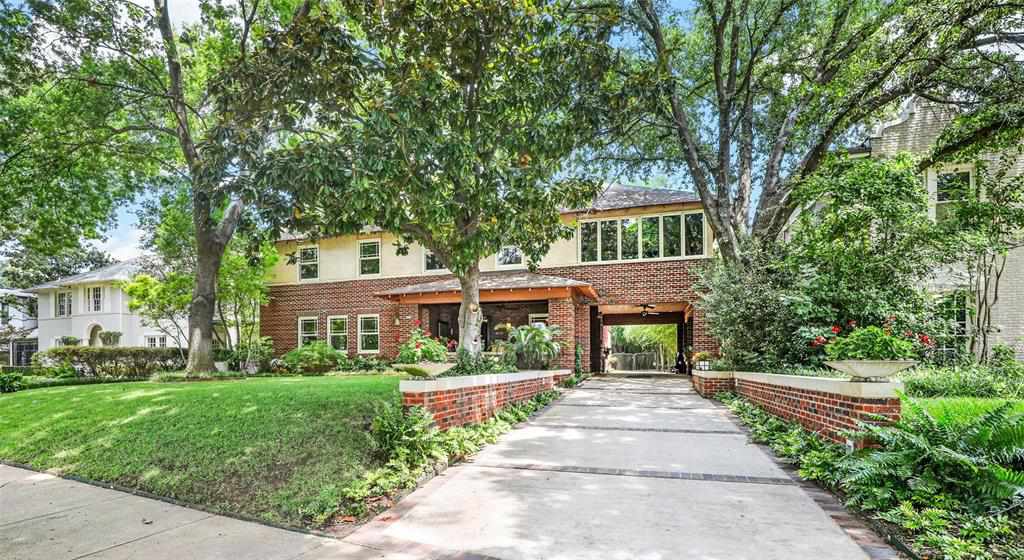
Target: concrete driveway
x=623 y=469
x=618 y=469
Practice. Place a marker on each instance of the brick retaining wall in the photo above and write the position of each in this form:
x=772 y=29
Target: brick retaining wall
x=456 y=401
x=823 y=405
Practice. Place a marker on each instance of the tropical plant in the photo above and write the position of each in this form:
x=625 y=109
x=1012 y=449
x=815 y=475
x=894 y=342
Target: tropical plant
x=421 y=348
x=870 y=343
x=535 y=345
x=978 y=463
x=315 y=357
x=468 y=364
x=408 y=436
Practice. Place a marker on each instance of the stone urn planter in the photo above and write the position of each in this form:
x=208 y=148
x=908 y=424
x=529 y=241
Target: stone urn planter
x=871 y=370
x=424 y=369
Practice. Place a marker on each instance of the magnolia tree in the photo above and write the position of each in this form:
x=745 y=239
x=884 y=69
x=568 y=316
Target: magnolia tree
x=446 y=124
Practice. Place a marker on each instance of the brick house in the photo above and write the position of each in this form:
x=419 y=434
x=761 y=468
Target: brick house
x=632 y=260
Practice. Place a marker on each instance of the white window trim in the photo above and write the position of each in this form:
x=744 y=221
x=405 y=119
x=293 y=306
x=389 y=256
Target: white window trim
x=359 y=257
x=298 y=263
x=156 y=338
x=331 y=333
x=932 y=185
x=298 y=327
x=89 y=299
x=537 y=317
x=426 y=253
x=360 y=333
x=68 y=311
x=661 y=242
x=497 y=261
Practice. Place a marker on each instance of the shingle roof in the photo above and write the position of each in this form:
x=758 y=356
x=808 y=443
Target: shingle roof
x=123 y=270
x=490 y=281
x=617 y=195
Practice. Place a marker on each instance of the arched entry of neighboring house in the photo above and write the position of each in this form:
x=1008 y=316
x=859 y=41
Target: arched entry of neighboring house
x=94 y=335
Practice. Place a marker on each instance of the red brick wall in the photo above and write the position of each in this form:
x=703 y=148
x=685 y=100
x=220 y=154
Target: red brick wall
x=825 y=413
x=709 y=387
x=562 y=312
x=471 y=405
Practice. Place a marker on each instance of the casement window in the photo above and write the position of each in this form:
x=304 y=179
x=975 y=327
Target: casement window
x=95 y=299
x=62 y=304
x=950 y=188
x=643 y=238
x=307 y=330
x=156 y=341
x=337 y=332
x=309 y=263
x=510 y=256
x=369 y=257
x=431 y=263
x=369 y=334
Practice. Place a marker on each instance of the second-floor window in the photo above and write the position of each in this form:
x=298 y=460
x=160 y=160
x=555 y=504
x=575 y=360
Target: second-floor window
x=309 y=263
x=5 y=313
x=950 y=188
x=63 y=305
x=95 y=299
x=431 y=263
x=510 y=255
x=644 y=237
x=369 y=257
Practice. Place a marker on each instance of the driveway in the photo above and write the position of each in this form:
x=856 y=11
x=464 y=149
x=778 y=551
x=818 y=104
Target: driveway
x=618 y=469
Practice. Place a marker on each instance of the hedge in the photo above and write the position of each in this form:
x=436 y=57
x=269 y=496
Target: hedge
x=24 y=370
x=115 y=361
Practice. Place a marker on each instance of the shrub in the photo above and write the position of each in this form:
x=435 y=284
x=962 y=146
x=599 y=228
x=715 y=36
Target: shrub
x=535 y=346
x=317 y=357
x=100 y=361
x=870 y=343
x=110 y=338
x=421 y=348
x=362 y=363
x=406 y=436
x=69 y=341
x=963 y=381
x=10 y=382
x=467 y=364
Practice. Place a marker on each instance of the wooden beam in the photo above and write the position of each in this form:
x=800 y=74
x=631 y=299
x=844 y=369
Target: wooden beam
x=489 y=296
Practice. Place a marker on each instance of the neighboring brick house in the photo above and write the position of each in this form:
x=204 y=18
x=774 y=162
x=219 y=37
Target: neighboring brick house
x=915 y=131
x=632 y=260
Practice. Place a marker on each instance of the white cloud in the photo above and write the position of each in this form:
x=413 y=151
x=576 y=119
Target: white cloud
x=123 y=245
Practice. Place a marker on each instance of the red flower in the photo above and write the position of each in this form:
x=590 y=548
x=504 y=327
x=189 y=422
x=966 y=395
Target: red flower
x=417 y=323
x=419 y=345
x=851 y=324
x=818 y=341
x=836 y=329
x=925 y=339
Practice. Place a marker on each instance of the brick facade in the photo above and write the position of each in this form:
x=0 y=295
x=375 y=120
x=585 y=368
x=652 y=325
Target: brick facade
x=474 y=404
x=668 y=281
x=708 y=387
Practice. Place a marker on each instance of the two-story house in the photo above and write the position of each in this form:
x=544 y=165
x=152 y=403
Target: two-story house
x=916 y=130
x=632 y=260
x=17 y=327
x=84 y=305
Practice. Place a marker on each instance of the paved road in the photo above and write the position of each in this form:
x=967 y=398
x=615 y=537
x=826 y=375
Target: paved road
x=618 y=469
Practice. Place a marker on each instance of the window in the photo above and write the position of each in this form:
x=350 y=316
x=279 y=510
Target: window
x=369 y=257
x=950 y=188
x=588 y=241
x=337 y=333
x=650 y=237
x=156 y=341
x=309 y=263
x=541 y=318
x=610 y=240
x=63 y=304
x=510 y=255
x=369 y=334
x=95 y=299
x=630 y=239
x=431 y=262
x=694 y=234
x=5 y=313
x=307 y=330
x=673 y=235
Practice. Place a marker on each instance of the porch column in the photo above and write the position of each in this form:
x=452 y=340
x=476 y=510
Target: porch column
x=702 y=339
x=582 y=336
x=562 y=312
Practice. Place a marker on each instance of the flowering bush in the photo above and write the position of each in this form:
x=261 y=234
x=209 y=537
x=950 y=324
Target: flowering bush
x=870 y=343
x=421 y=348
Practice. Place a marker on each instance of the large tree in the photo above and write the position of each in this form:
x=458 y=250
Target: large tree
x=747 y=98
x=445 y=123
x=123 y=98
x=23 y=267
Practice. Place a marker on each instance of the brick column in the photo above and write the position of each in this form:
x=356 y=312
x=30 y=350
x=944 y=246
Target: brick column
x=408 y=314
x=582 y=328
x=702 y=339
x=562 y=312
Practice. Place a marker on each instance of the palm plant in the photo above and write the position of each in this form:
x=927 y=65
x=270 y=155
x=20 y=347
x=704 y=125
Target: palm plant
x=978 y=462
x=534 y=345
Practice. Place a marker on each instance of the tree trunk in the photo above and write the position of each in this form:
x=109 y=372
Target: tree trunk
x=203 y=306
x=470 y=314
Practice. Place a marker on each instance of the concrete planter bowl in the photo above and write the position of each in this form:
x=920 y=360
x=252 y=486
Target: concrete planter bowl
x=871 y=370
x=424 y=369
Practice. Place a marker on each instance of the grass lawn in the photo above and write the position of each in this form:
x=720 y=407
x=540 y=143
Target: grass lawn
x=266 y=448
x=961 y=409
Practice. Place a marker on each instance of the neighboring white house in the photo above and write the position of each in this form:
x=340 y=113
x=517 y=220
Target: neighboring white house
x=84 y=305
x=17 y=327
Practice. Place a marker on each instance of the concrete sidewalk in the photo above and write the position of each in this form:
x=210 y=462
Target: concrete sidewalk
x=618 y=469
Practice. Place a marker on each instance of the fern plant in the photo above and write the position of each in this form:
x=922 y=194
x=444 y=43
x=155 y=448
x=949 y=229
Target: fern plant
x=979 y=464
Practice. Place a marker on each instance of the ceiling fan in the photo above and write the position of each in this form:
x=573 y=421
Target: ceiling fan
x=644 y=310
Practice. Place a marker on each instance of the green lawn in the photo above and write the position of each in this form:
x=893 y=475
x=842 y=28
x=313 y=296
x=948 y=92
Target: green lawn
x=265 y=448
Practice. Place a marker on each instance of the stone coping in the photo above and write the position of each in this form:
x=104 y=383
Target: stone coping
x=462 y=382
x=834 y=385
